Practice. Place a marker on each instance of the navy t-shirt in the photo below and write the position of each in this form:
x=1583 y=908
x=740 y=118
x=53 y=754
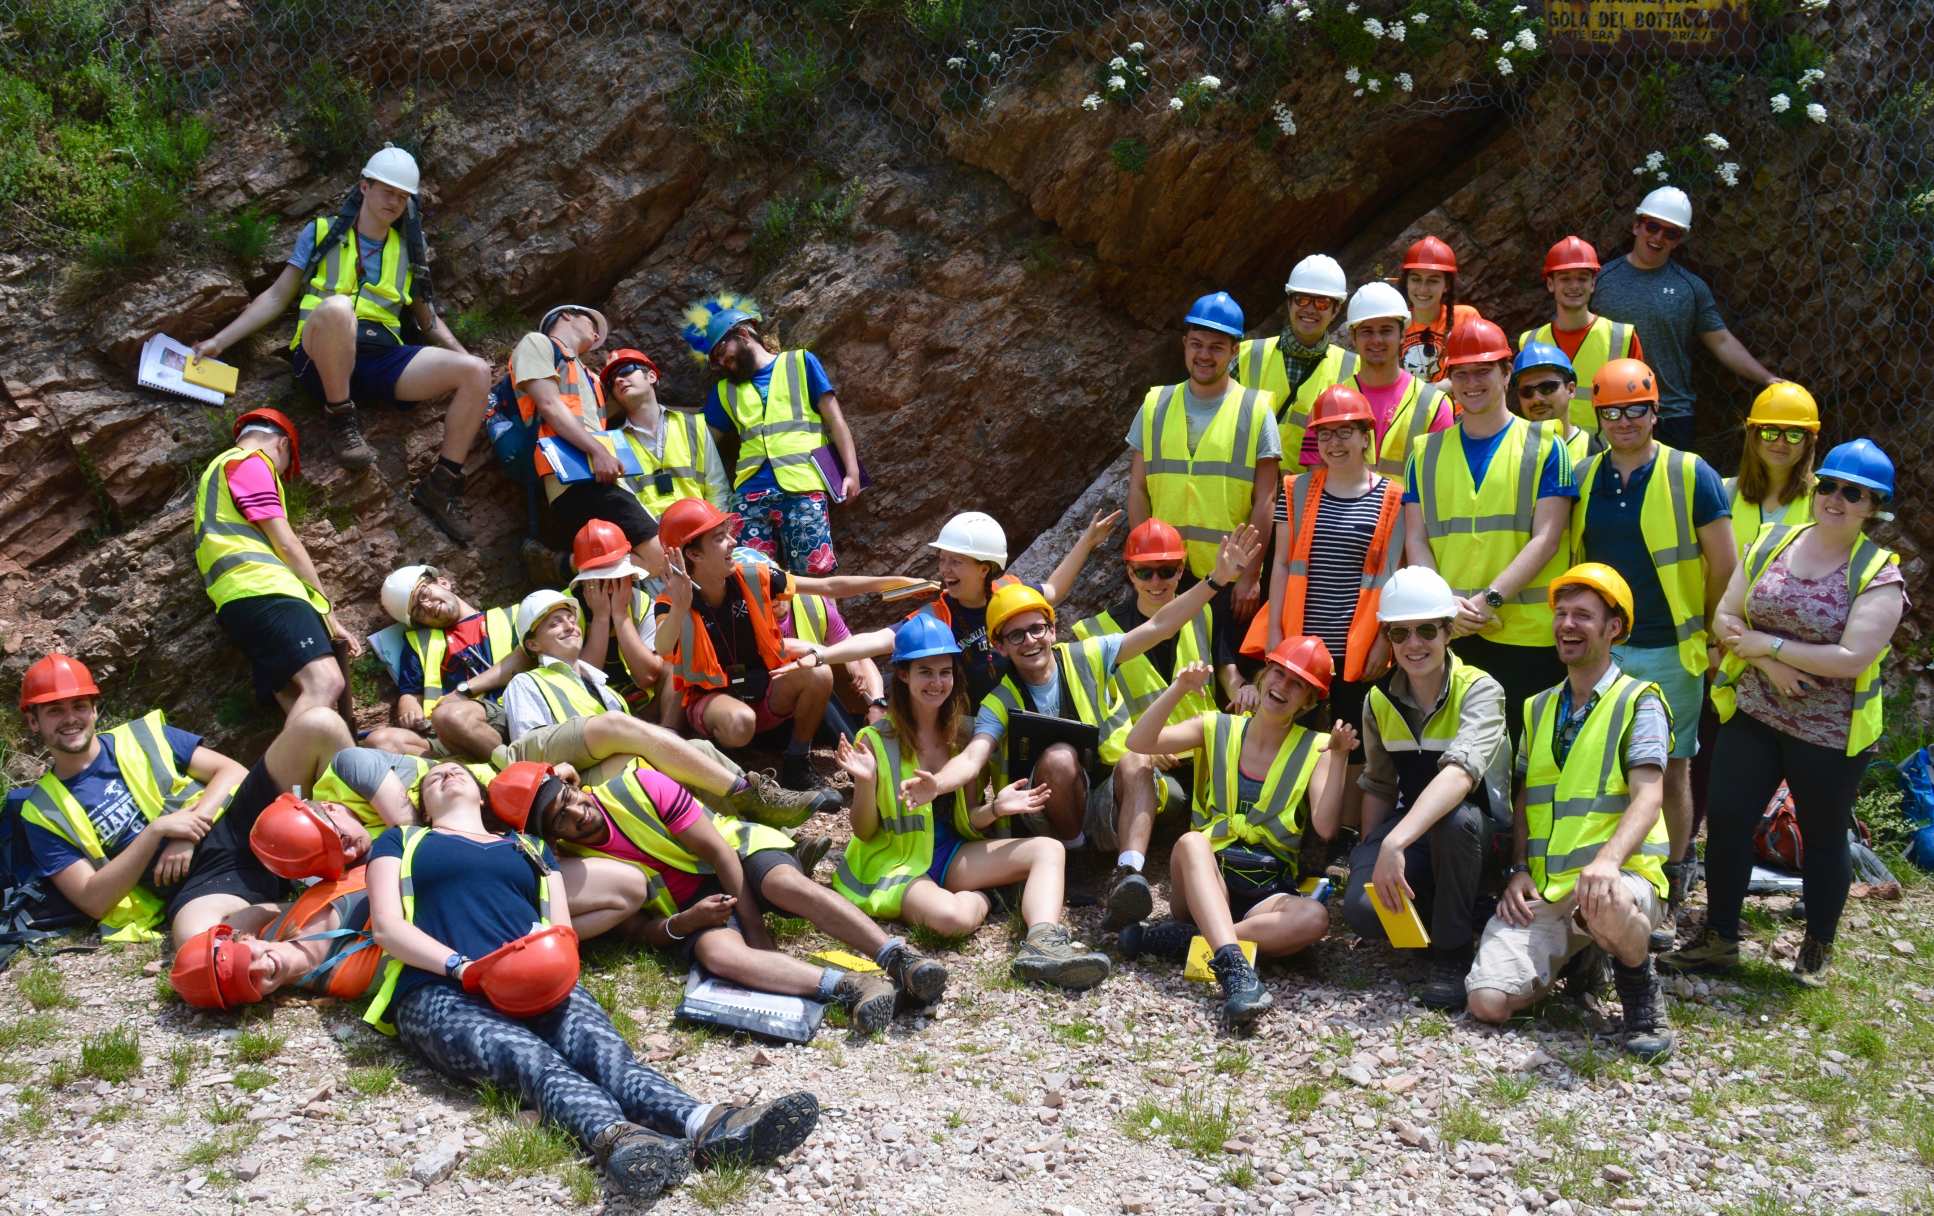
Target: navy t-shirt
x=817 y=386
x=471 y=895
x=1612 y=536
x=109 y=803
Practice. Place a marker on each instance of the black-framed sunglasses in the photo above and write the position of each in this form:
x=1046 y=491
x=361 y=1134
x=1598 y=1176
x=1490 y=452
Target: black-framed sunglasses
x=1792 y=434
x=1039 y=629
x=1667 y=231
x=1543 y=388
x=1847 y=490
x=1399 y=634
x=1147 y=572
x=1612 y=413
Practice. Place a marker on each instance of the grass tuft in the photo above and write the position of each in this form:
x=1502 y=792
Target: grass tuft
x=113 y=1056
x=257 y=1046
x=1193 y=1122
x=721 y=1186
x=43 y=987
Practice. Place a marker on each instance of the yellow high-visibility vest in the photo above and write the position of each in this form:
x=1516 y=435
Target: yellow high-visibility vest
x=1260 y=363
x=340 y=273
x=1665 y=523
x=1278 y=819
x=784 y=427
x=234 y=556
x=1605 y=340
x=1206 y=493
x=1572 y=809
x=876 y=873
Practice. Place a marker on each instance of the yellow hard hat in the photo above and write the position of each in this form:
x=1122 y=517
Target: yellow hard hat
x=1784 y=403
x=1601 y=578
x=1012 y=600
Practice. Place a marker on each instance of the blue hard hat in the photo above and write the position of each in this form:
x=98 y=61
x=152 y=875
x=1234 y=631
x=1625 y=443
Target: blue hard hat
x=922 y=636
x=1542 y=354
x=1861 y=463
x=722 y=323
x=1219 y=312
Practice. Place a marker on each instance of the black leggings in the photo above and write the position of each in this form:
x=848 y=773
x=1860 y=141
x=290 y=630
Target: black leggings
x=571 y=1063
x=1749 y=760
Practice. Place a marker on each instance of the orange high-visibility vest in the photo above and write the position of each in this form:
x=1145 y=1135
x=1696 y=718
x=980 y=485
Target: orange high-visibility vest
x=350 y=970
x=580 y=392
x=1304 y=494
x=695 y=663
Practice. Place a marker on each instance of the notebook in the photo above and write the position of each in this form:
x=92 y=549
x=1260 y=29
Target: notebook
x=165 y=364
x=711 y=1001
x=212 y=373
x=1403 y=927
x=1197 y=968
x=845 y=960
x=572 y=465
x=833 y=469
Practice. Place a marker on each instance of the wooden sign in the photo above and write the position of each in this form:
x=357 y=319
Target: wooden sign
x=1688 y=27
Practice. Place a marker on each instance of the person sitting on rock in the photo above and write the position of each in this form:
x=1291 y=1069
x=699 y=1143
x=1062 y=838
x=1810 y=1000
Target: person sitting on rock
x=455 y=662
x=1260 y=783
x=718 y=632
x=1297 y=364
x=675 y=448
x=927 y=859
x=358 y=272
x=481 y=982
x=642 y=857
x=268 y=598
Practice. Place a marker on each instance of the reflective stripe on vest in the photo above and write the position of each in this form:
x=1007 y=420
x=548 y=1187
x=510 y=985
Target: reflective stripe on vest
x=564 y=693
x=1572 y=810
x=580 y=392
x=1137 y=682
x=1748 y=517
x=234 y=556
x=1665 y=523
x=1418 y=755
x=809 y=618
x=341 y=272
x=783 y=428
x=695 y=662
x=1278 y=821
x=1260 y=363
x=1409 y=422
x=1380 y=561
x=1605 y=340
x=1087 y=695
x=1205 y=493
x=686 y=460
x=876 y=873
x=431 y=648
x=330 y=787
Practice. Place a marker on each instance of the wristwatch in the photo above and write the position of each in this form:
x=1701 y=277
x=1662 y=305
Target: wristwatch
x=1516 y=870
x=1777 y=643
x=462 y=689
x=880 y=703
x=454 y=963
x=1494 y=598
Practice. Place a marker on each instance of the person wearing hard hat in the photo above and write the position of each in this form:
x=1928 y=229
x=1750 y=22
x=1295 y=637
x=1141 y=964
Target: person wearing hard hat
x=1436 y=784
x=481 y=982
x=1403 y=407
x=268 y=598
x=1589 y=844
x=1429 y=281
x=456 y=660
x=815 y=621
x=318 y=943
x=780 y=409
x=358 y=273
x=1775 y=479
x=676 y=453
x=1205 y=452
x=615 y=593
x=1297 y=364
x=1543 y=382
x=1668 y=306
x=1261 y=782
x=717 y=631
x=1587 y=340
x=1487 y=504
x=1806 y=622
x=1658 y=516
x=930 y=861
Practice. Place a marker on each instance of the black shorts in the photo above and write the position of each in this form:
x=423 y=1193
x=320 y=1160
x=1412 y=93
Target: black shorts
x=583 y=501
x=224 y=864
x=279 y=634
x=757 y=868
x=380 y=361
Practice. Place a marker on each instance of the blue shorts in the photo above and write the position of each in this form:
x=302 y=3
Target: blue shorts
x=946 y=846
x=1684 y=692
x=371 y=381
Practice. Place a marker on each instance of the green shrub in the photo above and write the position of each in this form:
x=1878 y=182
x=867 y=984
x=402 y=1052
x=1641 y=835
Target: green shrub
x=741 y=93
x=822 y=209
x=331 y=117
x=1129 y=155
x=246 y=234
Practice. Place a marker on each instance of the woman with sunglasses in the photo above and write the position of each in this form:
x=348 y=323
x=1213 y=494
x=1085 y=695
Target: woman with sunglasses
x=1806 y=621
x=1775 y=461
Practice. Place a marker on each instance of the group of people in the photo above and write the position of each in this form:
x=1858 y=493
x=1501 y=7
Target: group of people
x=1368 y=600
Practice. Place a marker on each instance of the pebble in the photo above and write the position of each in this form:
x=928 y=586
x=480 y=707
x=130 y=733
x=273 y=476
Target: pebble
x=437 y=1163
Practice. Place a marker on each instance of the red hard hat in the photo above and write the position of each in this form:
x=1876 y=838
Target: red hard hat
x=689 y=518
x=618 y=358
x=280 y=421
x=599 y=543
x=212 y=970
x=295 y=840
x=529 y=976
x=1571 y=253
x=1306 y=658
x=1429 y=253
x=1477 y=341
x=1154 y=541
x=518 y=795
x=57 y=677
x=1340 y=403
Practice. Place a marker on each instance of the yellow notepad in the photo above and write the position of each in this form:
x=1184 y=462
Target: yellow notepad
x=844 y=961
x=211 y=373
x=1197 y=968
x=1404 y=927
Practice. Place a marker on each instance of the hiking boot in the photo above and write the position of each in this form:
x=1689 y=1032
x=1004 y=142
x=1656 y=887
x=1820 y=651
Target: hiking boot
x=796 y=772
x=543 y=565
x=755 y=1135
x=640 y=1163
x=809 y=851
x=869 y=998
x=1167 y=939
x=1707 y=954
x=1244 y=999
x=1678 y=879
x=1050 y=956
x=1641 y=992
x=1129 y=899
x=765 y=800
x=346 y=436
x=922 y=979
x=1443 y=986
x=1811 y=967
x=440 y=496
x=1583 y=974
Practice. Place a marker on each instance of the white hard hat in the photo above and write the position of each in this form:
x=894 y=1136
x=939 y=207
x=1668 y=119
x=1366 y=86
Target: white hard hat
x=1319 y=274
x=399 y=587
x=1416 y=593
x=393 y=166
x=1670 y=205
x=973 y=534
x=538 y=605
x=624 y=567
x=1375 y=301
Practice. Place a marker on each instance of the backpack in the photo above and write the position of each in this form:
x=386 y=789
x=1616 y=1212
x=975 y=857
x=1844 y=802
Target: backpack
x=1776 y=841
x=514 y=440
x=30 y=908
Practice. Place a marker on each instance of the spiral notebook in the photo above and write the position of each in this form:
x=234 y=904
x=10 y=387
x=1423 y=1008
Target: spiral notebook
x=171 y=367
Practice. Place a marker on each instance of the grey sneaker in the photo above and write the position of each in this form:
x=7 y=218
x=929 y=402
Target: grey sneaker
x=1244 y=998
x=1050 y=956
x=869 y=998
x=764 y=800
x=755 y=1135
x=346 y=436
x=1811 y=967
x=1130 y=899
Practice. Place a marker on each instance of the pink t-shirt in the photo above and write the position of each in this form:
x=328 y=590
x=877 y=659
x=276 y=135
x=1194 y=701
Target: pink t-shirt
x=252 y=485
x=680 y=811
x=1383 y=403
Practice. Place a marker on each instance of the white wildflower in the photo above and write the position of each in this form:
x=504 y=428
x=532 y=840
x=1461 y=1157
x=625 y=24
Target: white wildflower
x=1504 y=66
x=1353 y=75
x=1816 y=111
x=972 y=44
x=1140 y=70
x=1716 y=141
x=1480 y=33
x=1278 y=12
x=1813 y=6
x=1516 y=9
x=1350 y=7
x=1811 y=77
x=1118 y=64
x=1728 y=173
x=1404 y=82
x=1285 y=121
x=1091 y=102
x=1654 y=159
x=1303 y=14
x=1175 y=103
x=1373 y=84
x=1527 y=40
x=1211 y=83
x=1135 y=48
x=1116 y=84
x=1373 y=27
x=1397 y=32
x=1663 y=175
x=994 y=58
x=1358 y=93
x=1781 y=103
x=1638 y=170
x=1420 y=18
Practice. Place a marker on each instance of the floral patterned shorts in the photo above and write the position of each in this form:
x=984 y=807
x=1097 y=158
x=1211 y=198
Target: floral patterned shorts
x=792 y=528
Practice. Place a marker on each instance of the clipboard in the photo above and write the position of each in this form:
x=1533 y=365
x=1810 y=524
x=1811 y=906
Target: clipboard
x=1197 y=968
x=571 y=465
x=1030 y=734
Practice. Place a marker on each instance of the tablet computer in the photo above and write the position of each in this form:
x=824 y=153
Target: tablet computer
x=1030 y=734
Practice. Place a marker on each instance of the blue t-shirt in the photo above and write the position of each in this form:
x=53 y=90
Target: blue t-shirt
x=1554 y=479
x=1668 y=307
x=817 y=386
x=1047 y=697
x=471 y=895
x=1612 y=536
x=109 y=803
x=369 y=253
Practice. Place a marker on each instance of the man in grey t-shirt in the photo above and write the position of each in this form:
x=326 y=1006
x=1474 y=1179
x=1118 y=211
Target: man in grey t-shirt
x=1669 y=305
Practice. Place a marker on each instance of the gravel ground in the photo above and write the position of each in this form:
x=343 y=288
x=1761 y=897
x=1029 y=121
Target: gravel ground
x=1005 y=1100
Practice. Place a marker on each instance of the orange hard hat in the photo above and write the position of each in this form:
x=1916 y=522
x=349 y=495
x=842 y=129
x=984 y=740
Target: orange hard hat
x=1571 y=253
x=522 y=795
x=618 y=359
x=1624 y=382
x=1340 y=403
x=529 y=976
x=211 y=970
x=1307 y=658
x=688 y=519
x=1154 y=541
x=1429 y=253
x=1476 y=341
x=599 y=543
x=57 y=677
x=295 y=840
x=280 y=421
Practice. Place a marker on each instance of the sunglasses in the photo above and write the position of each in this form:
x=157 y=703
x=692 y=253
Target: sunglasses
x=1147 y=572
x=1543 y=388
x=1039 y=629
x=1772 y=434
x=1852 y=493
x=1303 y=301
x=1667 y=231
x=1399 y=634
x=1612 y=413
